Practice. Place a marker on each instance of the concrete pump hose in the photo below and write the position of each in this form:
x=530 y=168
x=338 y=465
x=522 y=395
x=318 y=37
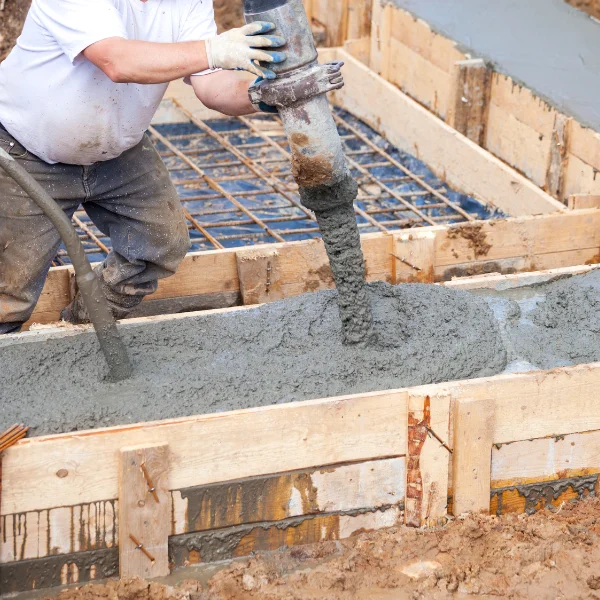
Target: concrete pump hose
x=101 y=317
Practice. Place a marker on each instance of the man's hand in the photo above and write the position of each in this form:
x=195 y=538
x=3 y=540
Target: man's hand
x=242 y=48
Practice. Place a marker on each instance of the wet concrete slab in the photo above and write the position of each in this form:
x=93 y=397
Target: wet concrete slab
x=551 y=47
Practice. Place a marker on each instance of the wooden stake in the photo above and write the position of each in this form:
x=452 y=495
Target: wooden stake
x=559 y=153
x=427 y=460
x=469 y=99
x=260 y=275
x=144 y=511
x=472 y=456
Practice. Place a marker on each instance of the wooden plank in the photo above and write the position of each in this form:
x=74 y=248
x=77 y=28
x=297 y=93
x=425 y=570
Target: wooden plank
x=547 y=241
x=414 y=257
x=527 y=237
x=259 y=272
x=580 y=177
x=144 y=511
x=365 y=485
x=507 y=282
x=559 y=151
x=333 y=15
x=369 y=485
x=583 y=201
x=418 y=36
x=460 y=162
x=546 y=459
x=522 y=104
x=207 y=449
x=517 y=143
x=585 y=145
x=381 y=24
x=472 y=455
x=532 y=405
x=358 y=20
x=427 y=460
x=469 y=97
x=419 y=78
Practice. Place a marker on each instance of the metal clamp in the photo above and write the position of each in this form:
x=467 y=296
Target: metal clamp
x=298 y=86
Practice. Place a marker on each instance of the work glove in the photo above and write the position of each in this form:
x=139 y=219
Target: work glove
x=241 y=49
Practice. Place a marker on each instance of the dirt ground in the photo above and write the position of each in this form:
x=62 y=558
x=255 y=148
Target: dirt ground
x=545 y=556
x=591 y=7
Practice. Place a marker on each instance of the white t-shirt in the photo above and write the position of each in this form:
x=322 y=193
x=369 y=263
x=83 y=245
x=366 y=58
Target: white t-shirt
x=64 y=109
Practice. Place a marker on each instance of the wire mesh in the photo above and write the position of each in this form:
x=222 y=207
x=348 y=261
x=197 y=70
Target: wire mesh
x=234 y=180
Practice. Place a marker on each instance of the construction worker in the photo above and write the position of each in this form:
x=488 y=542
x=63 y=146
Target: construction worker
x=77 y=94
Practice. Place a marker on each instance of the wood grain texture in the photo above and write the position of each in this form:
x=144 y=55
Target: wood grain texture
x=344 y=488
x=207 y=449
x=414 y=256
x=259 y=272
x=582 y=201
x=427 y=460
x=469 y=98
x=559 y=154
x=472 y=455
x=144 y=513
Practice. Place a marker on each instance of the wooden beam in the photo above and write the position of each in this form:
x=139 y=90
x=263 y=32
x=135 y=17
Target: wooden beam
x=144 y=513
x=472 y=455
x=427 y=460
x=469 y=99
x=461 y=163
x=260 y=275
x=80 y=468
x=559 y=152
x=582 y=201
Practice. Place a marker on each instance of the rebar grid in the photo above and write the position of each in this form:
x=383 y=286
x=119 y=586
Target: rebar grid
x=234 y=179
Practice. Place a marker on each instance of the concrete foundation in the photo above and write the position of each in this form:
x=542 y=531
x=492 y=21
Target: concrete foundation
x=292 y=350
x=548 y=44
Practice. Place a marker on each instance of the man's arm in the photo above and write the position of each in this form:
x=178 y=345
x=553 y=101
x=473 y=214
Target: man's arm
x=224 y=91
x=134 y=61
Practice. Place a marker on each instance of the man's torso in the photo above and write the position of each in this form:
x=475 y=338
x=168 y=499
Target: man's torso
x=64 y=109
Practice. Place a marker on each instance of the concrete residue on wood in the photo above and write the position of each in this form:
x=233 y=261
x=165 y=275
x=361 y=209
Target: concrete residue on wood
x=280 y=352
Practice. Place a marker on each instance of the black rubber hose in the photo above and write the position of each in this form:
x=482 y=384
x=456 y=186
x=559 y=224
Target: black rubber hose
x=100 y=314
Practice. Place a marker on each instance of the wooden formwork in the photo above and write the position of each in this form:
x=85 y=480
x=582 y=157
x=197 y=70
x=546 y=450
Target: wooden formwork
x=502 y=115
x=74 y=506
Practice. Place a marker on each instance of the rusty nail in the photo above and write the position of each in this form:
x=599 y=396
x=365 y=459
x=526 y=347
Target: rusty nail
x=151 y=487
x=438 y=438
x=140 y=546
x=403 y=260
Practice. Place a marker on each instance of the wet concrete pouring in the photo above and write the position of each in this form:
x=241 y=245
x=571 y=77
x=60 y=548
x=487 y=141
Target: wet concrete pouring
x=293 y=350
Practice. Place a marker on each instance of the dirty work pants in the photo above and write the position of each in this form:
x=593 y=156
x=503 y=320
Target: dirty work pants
x=131 y=199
